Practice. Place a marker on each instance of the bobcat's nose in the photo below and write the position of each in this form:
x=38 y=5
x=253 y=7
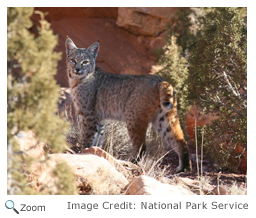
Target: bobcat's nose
x=78 y=70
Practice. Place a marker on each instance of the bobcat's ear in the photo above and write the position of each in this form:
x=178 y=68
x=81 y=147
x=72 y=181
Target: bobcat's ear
x=94 y=49
x=70 y=46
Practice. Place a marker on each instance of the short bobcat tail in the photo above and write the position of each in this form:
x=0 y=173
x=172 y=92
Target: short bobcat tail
x=167 y=96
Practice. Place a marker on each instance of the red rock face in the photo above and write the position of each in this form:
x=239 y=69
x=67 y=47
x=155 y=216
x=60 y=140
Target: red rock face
x=194 y=117
x=122 y=50
x=76 y=12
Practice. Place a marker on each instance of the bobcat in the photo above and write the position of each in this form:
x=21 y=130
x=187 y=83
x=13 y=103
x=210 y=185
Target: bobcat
x=136 y=100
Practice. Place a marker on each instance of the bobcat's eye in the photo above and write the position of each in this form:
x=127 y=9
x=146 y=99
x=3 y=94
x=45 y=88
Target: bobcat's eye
x=85 y=62
x=73 y=61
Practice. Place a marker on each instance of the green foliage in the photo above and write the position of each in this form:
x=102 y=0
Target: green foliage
x=184 y=29
x=32 y=92
x=65 y=179
x=216 y=52
x=218 y=77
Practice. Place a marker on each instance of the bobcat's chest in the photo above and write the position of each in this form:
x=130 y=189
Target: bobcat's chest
x=84 y=98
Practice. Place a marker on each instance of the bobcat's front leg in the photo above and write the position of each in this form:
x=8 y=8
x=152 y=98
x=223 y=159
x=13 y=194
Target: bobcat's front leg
x=88 y=125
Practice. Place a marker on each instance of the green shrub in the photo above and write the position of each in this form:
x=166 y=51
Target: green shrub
x=32 y=92
x=65 y=182
x=216 y=53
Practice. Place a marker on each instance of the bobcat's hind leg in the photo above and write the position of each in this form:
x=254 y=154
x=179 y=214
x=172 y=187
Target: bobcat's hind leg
x=184 y=159
x=137 y=133
x=168 y=126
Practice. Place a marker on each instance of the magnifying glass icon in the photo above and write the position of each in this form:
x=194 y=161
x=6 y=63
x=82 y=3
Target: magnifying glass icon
x=10 y=205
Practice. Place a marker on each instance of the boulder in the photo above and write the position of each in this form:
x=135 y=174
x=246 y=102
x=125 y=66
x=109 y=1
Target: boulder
x=94 y=171
x=145 y=185
x=124 y=167
x=146 y=21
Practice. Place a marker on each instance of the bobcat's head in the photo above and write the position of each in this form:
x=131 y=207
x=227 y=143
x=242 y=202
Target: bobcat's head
x=81 y=61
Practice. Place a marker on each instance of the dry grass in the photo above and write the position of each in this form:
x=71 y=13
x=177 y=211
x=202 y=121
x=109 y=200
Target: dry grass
x=118 y=144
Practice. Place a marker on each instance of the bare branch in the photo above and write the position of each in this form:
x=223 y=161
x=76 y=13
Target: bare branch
x=229 y=85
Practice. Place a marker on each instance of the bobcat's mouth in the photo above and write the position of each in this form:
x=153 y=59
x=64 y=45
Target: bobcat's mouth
x=79 y=73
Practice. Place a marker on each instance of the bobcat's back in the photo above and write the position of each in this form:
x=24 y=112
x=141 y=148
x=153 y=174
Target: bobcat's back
x=117 y=93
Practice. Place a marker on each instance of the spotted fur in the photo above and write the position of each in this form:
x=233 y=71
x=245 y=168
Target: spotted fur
x=136 y=100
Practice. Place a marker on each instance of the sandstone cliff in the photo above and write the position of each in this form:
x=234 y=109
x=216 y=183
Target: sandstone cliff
x=128 y=36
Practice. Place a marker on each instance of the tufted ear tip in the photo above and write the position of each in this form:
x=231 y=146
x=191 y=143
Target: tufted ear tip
x=70 y=45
